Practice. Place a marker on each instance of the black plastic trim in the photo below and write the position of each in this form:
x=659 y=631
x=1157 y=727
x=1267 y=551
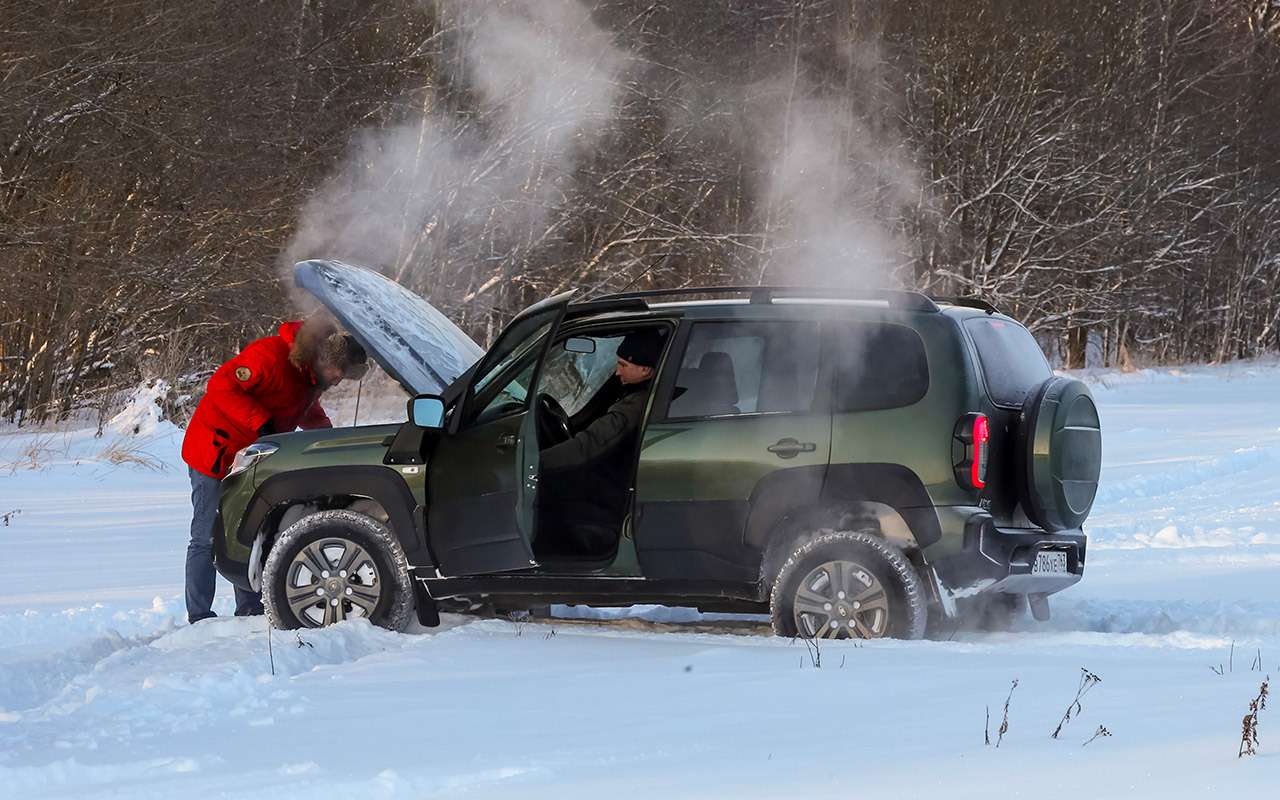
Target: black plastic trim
x=237 y=572
x=598 y=589
x=999 y=559
x=893 y=485
x=378 y=483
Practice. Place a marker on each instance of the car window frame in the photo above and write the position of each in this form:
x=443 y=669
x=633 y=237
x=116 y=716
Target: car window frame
x=508 y=375
x=567 y=330
x=559 y=305
x=818 y=404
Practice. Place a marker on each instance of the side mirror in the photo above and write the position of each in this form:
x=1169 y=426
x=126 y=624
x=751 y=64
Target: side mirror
x=427 y=411
x=580 y=344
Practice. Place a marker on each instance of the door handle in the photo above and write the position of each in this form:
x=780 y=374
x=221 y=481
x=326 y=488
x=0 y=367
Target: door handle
x=790 y=448
x=506 y=441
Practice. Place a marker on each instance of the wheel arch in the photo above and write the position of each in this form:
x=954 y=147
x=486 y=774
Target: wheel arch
x=888 y=499
x=377 y=492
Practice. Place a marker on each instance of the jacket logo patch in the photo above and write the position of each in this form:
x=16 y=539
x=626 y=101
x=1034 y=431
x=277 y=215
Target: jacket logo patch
x=243 y=373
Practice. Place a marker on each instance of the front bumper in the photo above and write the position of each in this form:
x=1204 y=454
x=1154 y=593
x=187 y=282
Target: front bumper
x=1001 y=560
x=237 y=572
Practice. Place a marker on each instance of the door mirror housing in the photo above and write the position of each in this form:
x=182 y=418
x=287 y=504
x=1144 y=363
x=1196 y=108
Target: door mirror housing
x=427 y=411
x=580 y=344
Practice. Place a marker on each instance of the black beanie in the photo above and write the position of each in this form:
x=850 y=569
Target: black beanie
x=641 y=348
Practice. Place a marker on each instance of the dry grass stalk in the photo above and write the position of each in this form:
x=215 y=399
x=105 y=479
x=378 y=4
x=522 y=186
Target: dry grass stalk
x=119 y=453
x=815 y=653
x=1087 y=681
x=518 y=620
x=1249 y=725
x=1004 y=723
x=1101 y=732
x=36 y=454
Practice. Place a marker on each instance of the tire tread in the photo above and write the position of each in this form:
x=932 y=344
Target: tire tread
x=911 y=586
x=401 y=609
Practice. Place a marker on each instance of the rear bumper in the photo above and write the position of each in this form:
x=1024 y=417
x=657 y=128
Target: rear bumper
x=1002 y=560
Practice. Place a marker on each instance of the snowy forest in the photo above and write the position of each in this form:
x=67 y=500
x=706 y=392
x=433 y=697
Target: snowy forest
x=1106 y=171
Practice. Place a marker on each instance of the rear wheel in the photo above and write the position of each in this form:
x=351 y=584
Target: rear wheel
x=848 y=585
x=336 y=565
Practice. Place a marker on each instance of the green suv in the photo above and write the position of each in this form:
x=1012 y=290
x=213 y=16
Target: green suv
x=852 y=463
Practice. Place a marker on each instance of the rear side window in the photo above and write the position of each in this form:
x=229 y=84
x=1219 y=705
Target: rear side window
x=1012 y=362
x=877 y=366
x=731 y=368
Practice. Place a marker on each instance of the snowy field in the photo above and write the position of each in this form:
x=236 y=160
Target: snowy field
x=106 y=692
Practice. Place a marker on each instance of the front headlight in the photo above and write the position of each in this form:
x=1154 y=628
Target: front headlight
x=251 y=455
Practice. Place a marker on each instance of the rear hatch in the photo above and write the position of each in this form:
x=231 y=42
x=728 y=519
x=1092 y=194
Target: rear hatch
x=407 y=336
x=1046 y=439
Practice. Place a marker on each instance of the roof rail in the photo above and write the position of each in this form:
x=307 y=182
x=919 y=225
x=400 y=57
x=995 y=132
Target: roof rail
x=898 y=298
x=968 y=302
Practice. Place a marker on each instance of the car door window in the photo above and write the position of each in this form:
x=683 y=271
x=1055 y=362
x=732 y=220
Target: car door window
x=511 y=397
x=504 y=386
x=735 y=368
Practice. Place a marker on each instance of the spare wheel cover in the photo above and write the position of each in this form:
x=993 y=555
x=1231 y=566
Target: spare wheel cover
x=1062 y=453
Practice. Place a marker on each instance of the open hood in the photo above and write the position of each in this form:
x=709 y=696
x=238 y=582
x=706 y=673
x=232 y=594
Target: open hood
x=408 y=337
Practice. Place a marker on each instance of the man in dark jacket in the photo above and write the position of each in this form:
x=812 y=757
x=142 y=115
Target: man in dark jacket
x=586 y=477
x=272 y=386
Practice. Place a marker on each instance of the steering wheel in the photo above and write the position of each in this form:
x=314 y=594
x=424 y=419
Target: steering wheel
x=553 y=422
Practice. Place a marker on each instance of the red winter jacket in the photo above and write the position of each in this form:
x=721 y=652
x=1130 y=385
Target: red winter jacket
x=254 y=388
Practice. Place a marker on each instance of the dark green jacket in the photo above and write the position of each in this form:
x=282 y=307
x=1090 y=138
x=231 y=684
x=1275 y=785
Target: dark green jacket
x=613 y=429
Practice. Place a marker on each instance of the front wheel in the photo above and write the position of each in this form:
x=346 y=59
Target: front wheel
x=848 y=585
x=336 y=565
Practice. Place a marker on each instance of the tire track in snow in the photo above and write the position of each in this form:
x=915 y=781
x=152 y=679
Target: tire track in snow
x=181 y=680
x=1243 y=619
x=1162 y=482
x=26 y=683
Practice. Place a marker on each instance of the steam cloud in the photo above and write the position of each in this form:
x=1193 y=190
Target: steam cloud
x=835 y=182
x=833 y=198
x=545 y=77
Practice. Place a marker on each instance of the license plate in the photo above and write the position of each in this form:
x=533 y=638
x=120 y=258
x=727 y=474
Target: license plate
x=1051 y=562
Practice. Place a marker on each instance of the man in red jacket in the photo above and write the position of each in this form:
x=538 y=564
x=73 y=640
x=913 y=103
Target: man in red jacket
x=272 y=386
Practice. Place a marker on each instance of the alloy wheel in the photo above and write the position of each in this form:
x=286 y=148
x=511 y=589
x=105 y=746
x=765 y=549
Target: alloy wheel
x=841 y=600
x=330 y=580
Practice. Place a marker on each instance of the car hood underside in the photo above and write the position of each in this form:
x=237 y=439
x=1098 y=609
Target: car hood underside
x=408 y=337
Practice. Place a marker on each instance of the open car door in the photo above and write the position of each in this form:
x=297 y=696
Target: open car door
x=482 y=475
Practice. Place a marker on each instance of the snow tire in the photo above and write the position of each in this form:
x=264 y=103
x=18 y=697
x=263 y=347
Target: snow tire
x=395 y=604
x=907 y=607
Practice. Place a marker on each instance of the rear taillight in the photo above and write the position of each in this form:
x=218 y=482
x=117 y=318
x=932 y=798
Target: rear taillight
x=971 y=450
x=981 y=447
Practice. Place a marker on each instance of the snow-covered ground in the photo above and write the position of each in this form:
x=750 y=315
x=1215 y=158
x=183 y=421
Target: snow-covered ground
x=106 y=692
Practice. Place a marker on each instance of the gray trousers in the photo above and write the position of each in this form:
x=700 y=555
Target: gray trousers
x=200 y=575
